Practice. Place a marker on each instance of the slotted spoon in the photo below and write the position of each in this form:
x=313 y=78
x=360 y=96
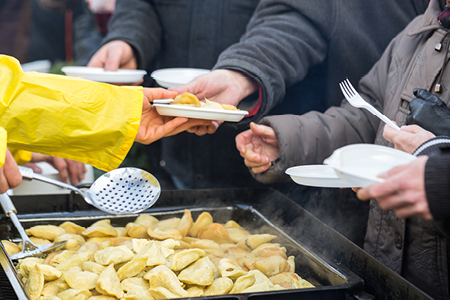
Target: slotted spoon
x=121 y=191
x=28 y=248
x=355 y=99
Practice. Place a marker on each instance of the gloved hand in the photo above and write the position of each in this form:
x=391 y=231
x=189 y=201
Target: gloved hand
x=429 y=112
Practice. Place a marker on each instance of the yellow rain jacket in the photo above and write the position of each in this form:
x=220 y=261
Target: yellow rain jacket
x=90 y=122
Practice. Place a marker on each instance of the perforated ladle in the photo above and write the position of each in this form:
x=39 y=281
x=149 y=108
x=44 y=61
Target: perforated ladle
x=121 y=191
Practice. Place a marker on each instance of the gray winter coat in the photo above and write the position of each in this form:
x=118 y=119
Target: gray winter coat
x=409 y=62
x=304 y=46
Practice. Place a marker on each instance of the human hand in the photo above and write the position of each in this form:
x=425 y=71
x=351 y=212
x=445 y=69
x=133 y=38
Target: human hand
x=114 y=55
x=403 y=191
x=409 y=138
x=258 y=146
x=66 y=168
x=223 y=86
x=429 y=112
x=153 y=126
x=10 y=176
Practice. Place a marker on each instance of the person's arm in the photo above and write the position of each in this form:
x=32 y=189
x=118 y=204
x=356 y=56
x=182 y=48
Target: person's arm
x=136 y=23
x=282 y=42
x=90 y=122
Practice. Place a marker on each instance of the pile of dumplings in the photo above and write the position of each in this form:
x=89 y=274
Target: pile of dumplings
x=154 y=259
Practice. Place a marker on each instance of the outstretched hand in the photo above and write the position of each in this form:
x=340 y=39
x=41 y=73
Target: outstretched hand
x=66 y=168
x=114 y=55
x=153 y=126
x=9 y=174
x=223 y=86
x=403 y=191
x=259 y=147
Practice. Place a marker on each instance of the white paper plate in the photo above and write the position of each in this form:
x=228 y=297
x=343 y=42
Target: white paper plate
x=200 y=113
x=100 y=75
x=360 y=164
x=175 y=77
x=317 y=175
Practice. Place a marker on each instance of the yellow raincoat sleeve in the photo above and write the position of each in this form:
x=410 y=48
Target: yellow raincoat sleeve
x=2 y=146
x=68 y=117
x=21 y=156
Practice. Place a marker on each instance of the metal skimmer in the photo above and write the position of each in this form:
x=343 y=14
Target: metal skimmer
x=28 y=248
x=121 y=191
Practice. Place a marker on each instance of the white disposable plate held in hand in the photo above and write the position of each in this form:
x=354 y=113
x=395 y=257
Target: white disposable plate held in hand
x=175 y=77
x=361 y=164
x=318 y=176
x=100 y=75
x=200 y=113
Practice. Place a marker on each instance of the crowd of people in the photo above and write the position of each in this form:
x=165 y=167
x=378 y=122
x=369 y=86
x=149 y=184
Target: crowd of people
x=281 y=60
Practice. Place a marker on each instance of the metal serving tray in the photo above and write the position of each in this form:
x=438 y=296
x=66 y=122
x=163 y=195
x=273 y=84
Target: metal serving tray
x=323 y=256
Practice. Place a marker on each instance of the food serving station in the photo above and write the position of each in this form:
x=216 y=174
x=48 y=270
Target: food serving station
x=337 y=267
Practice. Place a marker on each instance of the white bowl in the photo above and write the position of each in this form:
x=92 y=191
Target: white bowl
x=360 y=164
x=175 y=77
x=100 y=75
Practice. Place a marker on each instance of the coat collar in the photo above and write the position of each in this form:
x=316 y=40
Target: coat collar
x=429 y=18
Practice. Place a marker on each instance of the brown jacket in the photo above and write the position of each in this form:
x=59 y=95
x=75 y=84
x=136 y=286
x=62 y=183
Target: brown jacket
x=409 y=62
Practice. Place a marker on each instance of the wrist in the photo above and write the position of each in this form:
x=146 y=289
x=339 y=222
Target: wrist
x=245 y=83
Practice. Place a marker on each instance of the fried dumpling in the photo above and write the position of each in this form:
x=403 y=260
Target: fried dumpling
x=71 y=227
x=242 y=283
x=129 y=284
x=203 y=220
x=229 y=268
x=93 y=267
x=272 y=265
x=10 y=247
x=237 y=233
x=252 y=242
x=290 y=281
x=200 y=272
x=146 y=220
x=73 y=241
x=102 y=297
x=50 y=273
x=71 y=294
x=35 y=282
x=162 y=293
x=76 y=260
x=138 y=231
x=184 y=258
x=108 y=283
x=215 y=232
x=162 y=233
x=185 y=223
x=205 y=244
x=186 y=99
x=220 y=286
x=81 y=280
x=114 y=255
x=132 y=268
x=195 y=291
x=100 y=228
x=266 y=250
x=171 y=223
x=48 y=232
x=53 y=288
x=161 y=276
x=138 y=294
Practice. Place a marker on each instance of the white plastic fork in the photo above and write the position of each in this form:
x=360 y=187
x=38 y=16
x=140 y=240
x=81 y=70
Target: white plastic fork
x=355 y=99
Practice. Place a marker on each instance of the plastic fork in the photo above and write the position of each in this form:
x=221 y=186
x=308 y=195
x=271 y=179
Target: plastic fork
x=355 y=99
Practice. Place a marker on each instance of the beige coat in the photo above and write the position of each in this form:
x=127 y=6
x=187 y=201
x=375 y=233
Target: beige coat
x=409 y=62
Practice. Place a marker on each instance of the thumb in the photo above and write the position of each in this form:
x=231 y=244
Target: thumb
x=262 y=130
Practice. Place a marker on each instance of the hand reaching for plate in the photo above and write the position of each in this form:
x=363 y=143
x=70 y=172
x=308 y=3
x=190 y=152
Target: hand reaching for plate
x=113 y=56
x=66 y=168
x=259 y=147
x=153 y=126
x=223 y=86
